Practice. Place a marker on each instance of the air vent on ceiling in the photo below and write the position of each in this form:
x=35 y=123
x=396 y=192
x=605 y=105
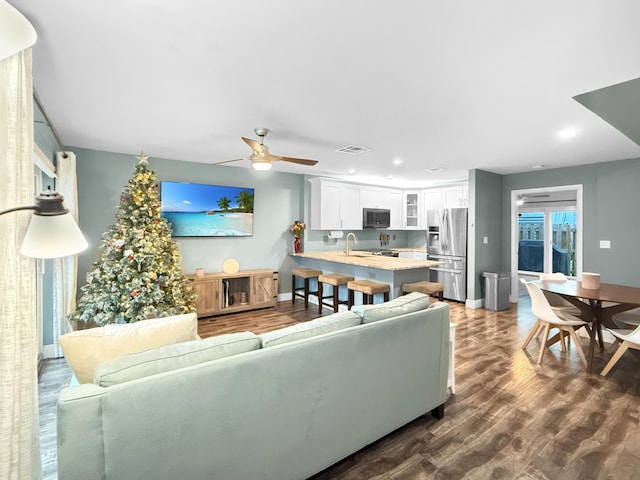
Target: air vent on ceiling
x=353 y=150
x=434 y=169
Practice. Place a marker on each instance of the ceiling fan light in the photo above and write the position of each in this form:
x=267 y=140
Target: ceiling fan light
x=262 y=166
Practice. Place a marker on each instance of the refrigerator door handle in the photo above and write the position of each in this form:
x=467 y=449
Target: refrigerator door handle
x=441 y=257
x=447 y=270
x=445 y=233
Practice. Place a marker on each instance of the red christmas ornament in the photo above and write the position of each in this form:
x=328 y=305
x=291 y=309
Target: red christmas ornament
x=134 y=294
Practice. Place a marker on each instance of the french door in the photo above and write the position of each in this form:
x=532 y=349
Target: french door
x=547 y=240
x=546 y=232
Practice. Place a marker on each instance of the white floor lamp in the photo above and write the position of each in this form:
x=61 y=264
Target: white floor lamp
x=52 y=232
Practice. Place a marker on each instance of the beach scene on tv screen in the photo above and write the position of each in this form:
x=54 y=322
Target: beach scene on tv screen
x=198 y=210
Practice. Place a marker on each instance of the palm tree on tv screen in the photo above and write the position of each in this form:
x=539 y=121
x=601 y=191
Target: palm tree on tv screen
x=224 y=203
x=245 y=201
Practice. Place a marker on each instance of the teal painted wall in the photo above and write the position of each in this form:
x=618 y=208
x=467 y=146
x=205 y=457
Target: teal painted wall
x=103 y=175
x=611 y=199
x=485 y=220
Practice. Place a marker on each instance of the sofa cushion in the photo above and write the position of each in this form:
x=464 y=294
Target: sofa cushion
x=330 y=323
x=411 y=302
x=172 y=357
x=84 y=349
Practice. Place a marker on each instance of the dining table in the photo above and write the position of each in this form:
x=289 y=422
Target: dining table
x=597 y=305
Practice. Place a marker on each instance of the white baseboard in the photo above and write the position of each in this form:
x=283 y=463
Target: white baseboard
x=469 y=303
x=283 y=297
x=49 y=351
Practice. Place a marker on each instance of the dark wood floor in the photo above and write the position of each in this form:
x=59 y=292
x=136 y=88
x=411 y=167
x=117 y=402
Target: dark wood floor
x=509 y=419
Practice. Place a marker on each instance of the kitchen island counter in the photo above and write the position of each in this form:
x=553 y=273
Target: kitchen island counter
x=368 y=266
x=369 y=260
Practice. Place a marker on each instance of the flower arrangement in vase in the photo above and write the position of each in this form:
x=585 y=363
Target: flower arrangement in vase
x=297 y=229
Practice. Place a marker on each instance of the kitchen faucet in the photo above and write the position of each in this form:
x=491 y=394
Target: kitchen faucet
x=355 y=242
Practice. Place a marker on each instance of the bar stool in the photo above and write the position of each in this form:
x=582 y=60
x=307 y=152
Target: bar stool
x=335 y=280
x=428 y=288
x=368 y=290
x=303 y=292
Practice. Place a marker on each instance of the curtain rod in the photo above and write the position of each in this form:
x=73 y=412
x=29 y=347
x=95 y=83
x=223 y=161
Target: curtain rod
x=48 y=120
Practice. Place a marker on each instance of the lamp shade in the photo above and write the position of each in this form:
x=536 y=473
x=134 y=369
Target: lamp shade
x=52 y=236
x=16 y=33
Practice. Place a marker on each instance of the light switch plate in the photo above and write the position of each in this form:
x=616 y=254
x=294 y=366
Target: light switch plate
x=605 y=244
x=485 y=240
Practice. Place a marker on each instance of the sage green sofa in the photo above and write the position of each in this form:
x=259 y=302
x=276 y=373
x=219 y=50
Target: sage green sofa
x=283 y=405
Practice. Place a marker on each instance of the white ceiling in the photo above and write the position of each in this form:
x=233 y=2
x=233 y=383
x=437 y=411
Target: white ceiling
x=453 y=84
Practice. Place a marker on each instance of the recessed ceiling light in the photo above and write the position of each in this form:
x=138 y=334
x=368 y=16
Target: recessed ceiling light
x=351 y=171
x=535 y=167
x=567 y=133
x=397 y=161
x=389 y=177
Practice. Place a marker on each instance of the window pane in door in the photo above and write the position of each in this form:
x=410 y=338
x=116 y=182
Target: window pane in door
x=531 y=241
x=563 y=233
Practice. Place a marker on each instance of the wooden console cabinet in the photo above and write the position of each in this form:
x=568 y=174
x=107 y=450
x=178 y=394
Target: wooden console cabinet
x=220 y=293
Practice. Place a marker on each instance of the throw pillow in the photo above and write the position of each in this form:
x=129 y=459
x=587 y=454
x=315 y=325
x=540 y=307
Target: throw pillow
x=173 y=357
x=84 y=349
x=336 y=321
x=411 y=302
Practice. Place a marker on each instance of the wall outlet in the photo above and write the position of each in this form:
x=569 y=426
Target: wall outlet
x=605 y=243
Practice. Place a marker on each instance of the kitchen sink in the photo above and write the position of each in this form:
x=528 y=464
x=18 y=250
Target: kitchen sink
x=375 y=251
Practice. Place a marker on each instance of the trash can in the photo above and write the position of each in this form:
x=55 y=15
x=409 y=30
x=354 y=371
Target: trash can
x=497 y=286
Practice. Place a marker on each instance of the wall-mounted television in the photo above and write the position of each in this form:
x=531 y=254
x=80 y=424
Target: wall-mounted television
x=199 y=210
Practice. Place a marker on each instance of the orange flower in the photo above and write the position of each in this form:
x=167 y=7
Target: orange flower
x=297 y=228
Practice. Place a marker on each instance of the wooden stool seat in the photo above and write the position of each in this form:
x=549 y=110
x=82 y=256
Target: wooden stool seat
x=368 y=289
x=304 y=291
x=335 y=280
x=428 y=288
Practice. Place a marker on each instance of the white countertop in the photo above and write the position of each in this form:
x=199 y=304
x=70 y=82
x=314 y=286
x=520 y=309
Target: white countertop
x=370 y=260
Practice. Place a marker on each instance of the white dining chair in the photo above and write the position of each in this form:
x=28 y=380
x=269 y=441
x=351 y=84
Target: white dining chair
x=556 y=301
x=630 y=317
x=548 y=319
x=629 y=339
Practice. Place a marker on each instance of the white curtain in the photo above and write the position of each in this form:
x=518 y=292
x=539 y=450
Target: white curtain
x=19 y=434
x=65 y=269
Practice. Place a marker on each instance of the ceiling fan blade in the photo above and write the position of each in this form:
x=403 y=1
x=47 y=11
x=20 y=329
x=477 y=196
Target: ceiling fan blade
x=300 y=161
x=229 y=161
x=255 y=146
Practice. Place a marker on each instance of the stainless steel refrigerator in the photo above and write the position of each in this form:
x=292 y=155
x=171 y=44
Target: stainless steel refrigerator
x=447 y=242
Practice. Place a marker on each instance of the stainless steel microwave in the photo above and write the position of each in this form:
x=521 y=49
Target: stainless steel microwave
x=376 y=218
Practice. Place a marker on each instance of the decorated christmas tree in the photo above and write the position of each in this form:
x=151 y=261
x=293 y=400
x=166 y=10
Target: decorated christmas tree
x=138 y=273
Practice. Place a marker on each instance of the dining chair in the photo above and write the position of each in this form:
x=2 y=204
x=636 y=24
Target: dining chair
x=630 y=318
x=548 y=318
x=629 y=339
x=556 y=301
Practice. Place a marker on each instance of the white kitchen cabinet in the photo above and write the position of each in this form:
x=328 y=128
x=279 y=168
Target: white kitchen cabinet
x=372 y=197
x=432 y=198
x=446 y=197
x=455 y=196
x=335 y=205
x=413 y=214
x=395 y=205
x=413 y=254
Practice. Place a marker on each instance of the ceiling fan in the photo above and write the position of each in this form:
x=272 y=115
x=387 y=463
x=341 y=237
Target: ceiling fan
x=261 y=159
